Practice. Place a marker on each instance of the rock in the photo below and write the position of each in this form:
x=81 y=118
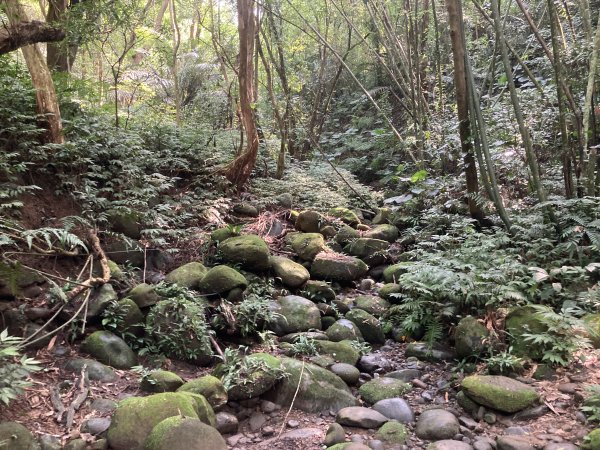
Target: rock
x=125 y=252
x=392 y=432
x=369 y=325
x=346 y=372
x=208 y=386
x=395 y=409
x=392 y=273
x=110 y=349
x=184 y=433
x=220 y=234
x=469 y=337
x=384 y=232
x=257 y=382
x=311 y=335
x=161 y=381
x=75 y=444
x=466 y=403
x=245 y=209
x=101 y=297
x=435 y=354
x=48 y=442
x=498 y=392
x=131 y=318
x=189 y=275
x=291 y=274
x=344 y=329
x=319 y=390
x=248 y=251
x=382 y=388
x=592 y=440
x=335 y=435
x=372 y=251
x=143 y=295
x=226 y=423
x=358 y=416
x=294 y=314
x=284 y=200
x=484 y=443
x=560 y=446
x=523 y=320
x=374 y=362
x=96 y=370
x=405 y=375
x=256 y=421
x=388 y=292
x=126 y=223
x=591 y=323
x=337 y=267
x=382 y=216
x=437 y=424
x=306 y=245
x=222 y=279
x=371 y=304
x=514 y=443
x=318 y=291
x=14 y=436
x=346 y=215
x=136 y=417
x=95 y=425
x=341 y=351
x=103 y=405
x=309 y=221
x=532 y=413
x=544 y=372
x=449 y=444
x=346 y=234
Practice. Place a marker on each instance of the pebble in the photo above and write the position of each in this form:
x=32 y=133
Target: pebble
x=489 y=418
x=376 y=444
x=293 y=423
x=567 y=388
x=268 y=431
x=268 y=407
x=517 y=431
x=226 y=423
x=468 y=422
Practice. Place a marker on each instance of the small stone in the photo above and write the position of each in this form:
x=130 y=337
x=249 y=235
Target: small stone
x=268 y=431
x=335 y=435
x=358 y=416
x=347 y=372
x=418 y=383
x=437 y=424
x=376 y=444
x=517 y=431
x=373 y=362
x=567 y=388
x=484 y=443
x=532 y=413
x=293 y=423
x=103 y=405
x=468 y=422
x=49 y=442
x=226 y=423
x=489 y=418
x=257 y=420
x=395 y=409
x=449 y=444
x=514 y=443
x=268 y=407
x=95 y=425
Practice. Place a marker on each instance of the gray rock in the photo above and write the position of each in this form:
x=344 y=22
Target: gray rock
x=95 y=425
x=96 y=370
x=437 y=424
x=514 y=443
x=75 y=444
x=100 y=299
x=103 y=405
x=368 y=325
x=405 y=375
x=395 y=409
x=335 y=435
x=226 y=423
x=294 y=314
x=449 y=444
x=374 y=362
x=560 y=446
x=358 y=416
x=291 y=273
x=344 y=329
x=469 y=337
x=256 y=421
x=337 y=267
x=346 y=372
x=382 y=388
x=143 y=295
x=484 y=443
x=435 y=354
x=517 y=431
x=532 y=413
x=468 y=422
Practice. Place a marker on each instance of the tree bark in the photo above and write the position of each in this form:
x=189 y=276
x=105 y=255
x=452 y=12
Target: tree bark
x=59 y=57
x=13 y=37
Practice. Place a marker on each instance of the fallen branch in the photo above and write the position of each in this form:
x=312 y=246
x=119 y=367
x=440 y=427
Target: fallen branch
x=93 y=281
x=27 y=33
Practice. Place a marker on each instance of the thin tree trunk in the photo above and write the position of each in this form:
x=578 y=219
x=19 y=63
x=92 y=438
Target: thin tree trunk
x=175 y=62
x=587 y=111
x=59 y=57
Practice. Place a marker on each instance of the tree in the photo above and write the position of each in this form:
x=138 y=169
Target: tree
x=13 y=37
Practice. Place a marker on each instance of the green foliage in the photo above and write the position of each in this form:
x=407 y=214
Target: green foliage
x=304 y=346
x=591 y=405
x=235 y=369
x=503 y=363
x=14 y=368
x=361 y=347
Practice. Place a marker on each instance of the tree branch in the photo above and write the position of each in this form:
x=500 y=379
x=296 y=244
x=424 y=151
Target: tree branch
x=27 y=33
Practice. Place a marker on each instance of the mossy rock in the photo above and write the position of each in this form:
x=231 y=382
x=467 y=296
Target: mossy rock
x=309 y=221
x=342 y=351
x=124 y=252
x=366 y=247
x=126 y=223
x=292 y=274
x=392 y=432
x=466 y=403
x=375 y=306
x=346 y=215
x=14 y=436
x=189 y=275
x=135 y=417
x=387 y=290
x=591 y=323
x=346 y=234
x=337 y=267
x=434 y=353
x=96 y=370
x=523 y=320
x=184 y=433
x=208 y=386
x=249 y=252
x=344 y=329
x=500 y=393
x=222 y=279
x=294 y=314
x=385 y=232
x=221 y=234
x=592 y=440
x=392 y=273
x=369 y=325
x=381 y=388
x=161 y=381
x=131 y=317
x=115 y=271
x=382 y=216
x=318 y=390
x=318 y=291
x=110 y=349
x=306 y=245
x=258 y=381
x=469 y=337
x=144 y=295
x=245 y=209
x=100 y=298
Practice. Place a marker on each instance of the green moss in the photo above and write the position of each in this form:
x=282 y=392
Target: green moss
x=524 y=320
x=181 y=433
x=249 y=251
x=371 y=304
x=592 y=326
x=501 y=393
x=392 y=273
x=189 y=275
x=393 y=432
x=382 y=388
x=341 y=351
x=161 y=381
x=208 y=386
x=306 y=245
x=592 y=440
x=222 y=279
x=387 y=290
x=109 y=349
x=222 y=234
x=469 y=337
x=115 y=271
x=14 y=436
x=345 y=215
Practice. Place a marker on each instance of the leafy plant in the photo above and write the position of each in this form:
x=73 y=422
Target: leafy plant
x=591 y=405
x=361 y=347
x=504 y=362
x=236 y=369
x=304 y=346
x=14 y=368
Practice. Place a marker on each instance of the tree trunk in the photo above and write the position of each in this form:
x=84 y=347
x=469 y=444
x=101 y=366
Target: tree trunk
x=59 y=57
x=462 y=102
x=13 y=37
x=587 y=111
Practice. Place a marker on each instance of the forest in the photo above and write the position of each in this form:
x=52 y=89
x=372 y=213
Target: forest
x=282 y=224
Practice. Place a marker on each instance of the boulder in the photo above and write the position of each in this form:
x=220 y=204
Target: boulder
x=347 y=372
x=592 y=440
x=125 y=252
x=184 y=433
x=126 y=223
x=318 y=390
x=222 y=279
x=392 y=432
x=293 y=314
x=346 y=215
x=135 y=417
x=395 y=409
x=245 y=209
x=498 y=392
x=227 y=423
x=366 y=247
x=424 y=352
x=388 y=290
x=14 y=436
x=143 y=295
x=318 y=291
x=385 y=232
x=346 y=235
x=369 y=325
x=306 y=245
x=131 y=318
x=392 y=273
x=189 y=275
x=96 y=370
x=292 y=274
x=309 y=221
x=221 y=234
x=437 y=424
x=358 y=416
x=342 y=351
x=523 y=320
x=344 y=329
x=110 y=349
x=266 y=373
x=101 y=297
x=469 y=337
x=515 y=443
x=371 y=304
x=208 y=386
x=249 y=252
x=337 y=267
x=382 y=216
x=381 y=388
x=161 y=381
x=335 y=435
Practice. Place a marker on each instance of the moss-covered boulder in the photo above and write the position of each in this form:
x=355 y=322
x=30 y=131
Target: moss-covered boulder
x=344 y=329
x=265 y=371
x=318 y=390
x=292 y=274
x=592 y=440
x=309 y=221
x=222 y=234
x=591 y=323
x=369 y=325
x=131 y=318
x=222 y=279
x=346 y=234
x=366 y=247
x=210 y=387
x=189 y=275
x=100 y=299
x=469 y=337
x=306 y=245
x=342 y=351
x=249 y=252
x=161 y=381
x=385 y=232
x=184 y=433
x=382 y=216
x=392 y=273
x=96 y=370
x=372 y=304
x=520 y=321
x=381 y=388
x=135 y=417
x=294 y=314
x=392 y=432
x=388 y=290
x=110 y=349
x=126 y=223
x=318 y=291
x=345 y=215
x=143 y=295
x=434 y=353
x=14 y=436
x=337 y=267
x=116 y=273
x=498 y=392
